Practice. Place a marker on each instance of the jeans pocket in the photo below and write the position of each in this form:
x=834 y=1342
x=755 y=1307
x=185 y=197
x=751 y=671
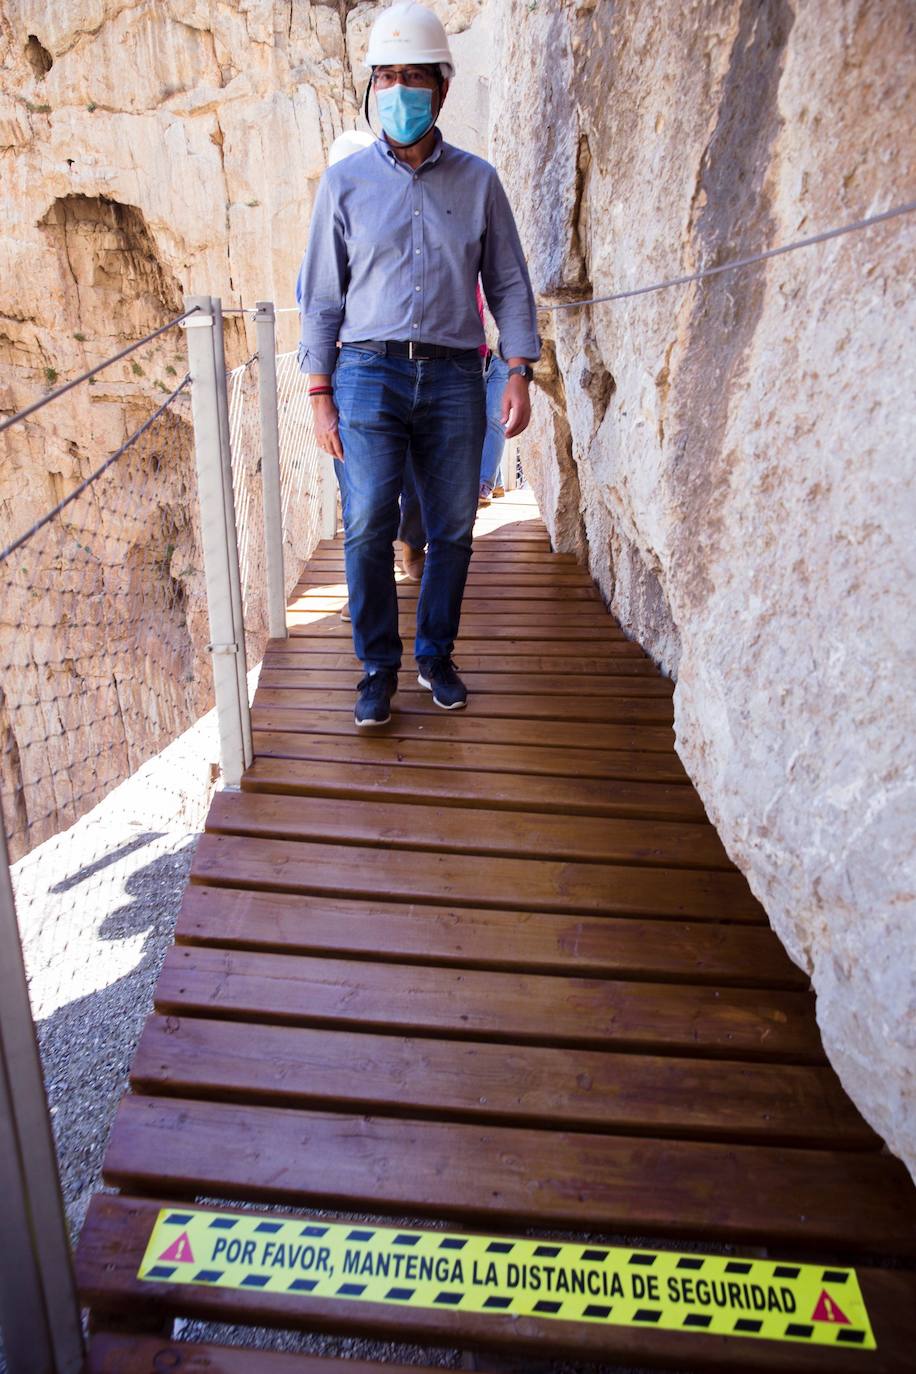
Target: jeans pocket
x=468 y=367
x=355 y=357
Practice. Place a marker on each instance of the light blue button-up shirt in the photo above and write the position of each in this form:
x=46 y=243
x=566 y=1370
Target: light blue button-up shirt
x=395 y=253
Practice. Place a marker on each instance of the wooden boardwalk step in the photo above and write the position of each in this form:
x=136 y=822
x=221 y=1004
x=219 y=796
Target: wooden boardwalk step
x=540 y=667
x=542 y=1088
x=508 y=1175
x=522 y=708
x=287 y=734
x=621 y=683
x=511 y=941
x=469 y=880
x=470 y=1004
x=445 y=785
x=473 y=628
x=118 y=1228
x=469 y=830
x=279 y=709
x=118 y=1354
x=493 y=651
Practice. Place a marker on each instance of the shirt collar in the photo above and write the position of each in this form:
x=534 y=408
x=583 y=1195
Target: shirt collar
x=389 y=154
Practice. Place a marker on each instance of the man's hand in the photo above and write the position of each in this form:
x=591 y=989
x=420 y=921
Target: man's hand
x=516 y=412
x=324 y=421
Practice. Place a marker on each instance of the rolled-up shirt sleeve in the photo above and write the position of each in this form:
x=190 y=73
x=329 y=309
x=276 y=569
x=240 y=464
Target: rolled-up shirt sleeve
x=505 y=280
x=321 y=286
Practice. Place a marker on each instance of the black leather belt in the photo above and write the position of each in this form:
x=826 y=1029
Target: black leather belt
x=411 y=348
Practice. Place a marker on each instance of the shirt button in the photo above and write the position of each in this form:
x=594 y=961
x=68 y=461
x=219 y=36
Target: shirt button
x=416 y=250
x=416 y=288
x=416 y=212
x=415 y=325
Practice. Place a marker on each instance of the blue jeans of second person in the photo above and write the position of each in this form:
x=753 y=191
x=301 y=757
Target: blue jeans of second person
x=435 y=409
x=497 y=375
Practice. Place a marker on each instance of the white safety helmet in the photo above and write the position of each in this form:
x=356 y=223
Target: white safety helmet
x=351 y=141
x=408 y=32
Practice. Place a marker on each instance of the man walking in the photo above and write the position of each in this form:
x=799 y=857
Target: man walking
x=400 y=232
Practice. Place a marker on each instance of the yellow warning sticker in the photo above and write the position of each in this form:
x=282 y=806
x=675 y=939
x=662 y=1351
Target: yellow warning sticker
x=565 y=1281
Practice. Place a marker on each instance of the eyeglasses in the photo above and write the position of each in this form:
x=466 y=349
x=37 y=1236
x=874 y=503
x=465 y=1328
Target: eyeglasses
x=384 y=78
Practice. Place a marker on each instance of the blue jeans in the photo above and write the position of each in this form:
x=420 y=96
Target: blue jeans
x=411 y=529
x=497 y=375
x=436 y=411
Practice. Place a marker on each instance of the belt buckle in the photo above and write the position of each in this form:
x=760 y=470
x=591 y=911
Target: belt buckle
x=416 y=357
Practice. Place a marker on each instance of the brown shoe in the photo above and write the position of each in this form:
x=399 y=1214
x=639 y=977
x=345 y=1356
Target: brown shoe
x=413 y=562
x=497 y=492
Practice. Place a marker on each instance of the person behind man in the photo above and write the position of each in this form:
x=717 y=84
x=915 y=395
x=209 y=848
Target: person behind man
x=399 y=234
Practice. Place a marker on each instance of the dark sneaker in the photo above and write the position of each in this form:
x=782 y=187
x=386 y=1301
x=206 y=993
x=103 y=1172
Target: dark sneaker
x=438 y=674
x=373 y=705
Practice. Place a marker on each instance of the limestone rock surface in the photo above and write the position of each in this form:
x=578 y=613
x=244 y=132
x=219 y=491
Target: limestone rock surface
x=147 y=151
x=735 y=457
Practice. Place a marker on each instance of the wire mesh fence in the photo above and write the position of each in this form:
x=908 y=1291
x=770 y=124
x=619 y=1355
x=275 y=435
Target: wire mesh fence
x=107 y=741
x=306 y=481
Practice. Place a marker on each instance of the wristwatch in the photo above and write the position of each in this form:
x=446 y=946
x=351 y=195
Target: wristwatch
x=521 y=370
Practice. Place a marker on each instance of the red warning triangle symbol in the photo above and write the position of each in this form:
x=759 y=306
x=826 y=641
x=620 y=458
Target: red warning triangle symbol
x=829 y=1310
x=181 y=1251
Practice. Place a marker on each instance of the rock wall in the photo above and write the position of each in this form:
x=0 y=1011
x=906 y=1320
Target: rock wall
x=147 y=151
x=734 y=458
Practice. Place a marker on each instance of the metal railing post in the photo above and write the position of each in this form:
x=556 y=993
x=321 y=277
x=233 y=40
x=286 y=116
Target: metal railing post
x=39 y=1307
x=210 y=410
x=265 y=326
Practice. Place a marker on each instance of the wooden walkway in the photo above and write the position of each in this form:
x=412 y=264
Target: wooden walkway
x=492 y=968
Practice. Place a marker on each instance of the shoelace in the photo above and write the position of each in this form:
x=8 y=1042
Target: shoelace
x=375 y=683
x=443 y=667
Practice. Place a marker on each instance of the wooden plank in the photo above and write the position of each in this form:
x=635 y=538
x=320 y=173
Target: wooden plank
x=506 y=1008
x=489 y=706
x=583 y=595
x=487 y=682
x=494 y=630
x=508 y=1175
x=543 y=667
x=542 y=1088
x=545 y=613
x=110 y=1353
x=367 y=781
x=117 y=1230
x=609 y=652
x=482 y=553
x=289 y=734
x=521 y=941
x=442 y=878
x=289 y=710
x=468 y=830
x=500 y=574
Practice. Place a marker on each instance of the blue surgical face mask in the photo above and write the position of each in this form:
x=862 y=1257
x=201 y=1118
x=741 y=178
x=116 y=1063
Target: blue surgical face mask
x=406 y=112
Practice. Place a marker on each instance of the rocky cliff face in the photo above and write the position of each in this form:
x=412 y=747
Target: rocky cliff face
x=732 y=457
x=147 y=151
